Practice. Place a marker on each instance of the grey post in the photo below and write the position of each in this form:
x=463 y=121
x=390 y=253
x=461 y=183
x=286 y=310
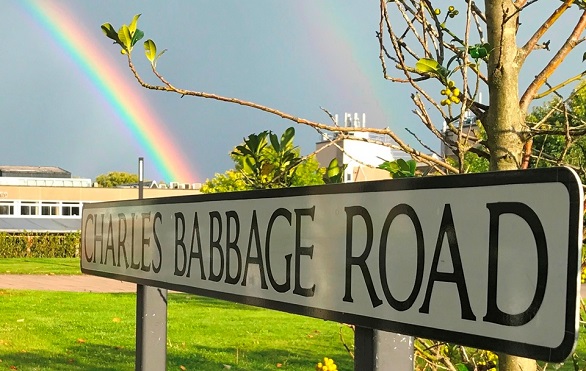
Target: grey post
x=381 y=351
x=151 y=316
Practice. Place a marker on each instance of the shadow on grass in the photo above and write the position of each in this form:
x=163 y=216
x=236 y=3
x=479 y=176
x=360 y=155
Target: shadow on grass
x=79 y=357
x=215 y=358
x=202 y=301
x=99 y=357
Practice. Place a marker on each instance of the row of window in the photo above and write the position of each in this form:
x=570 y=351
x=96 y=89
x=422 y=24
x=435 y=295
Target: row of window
x=40 y=208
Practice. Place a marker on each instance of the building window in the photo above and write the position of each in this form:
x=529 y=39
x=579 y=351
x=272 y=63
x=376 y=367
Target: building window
x=29 y=208
x=6 y=208
x=49 y=208
x=70 y=209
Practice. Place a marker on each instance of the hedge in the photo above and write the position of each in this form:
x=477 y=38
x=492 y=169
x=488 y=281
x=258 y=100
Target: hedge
x=39 y=245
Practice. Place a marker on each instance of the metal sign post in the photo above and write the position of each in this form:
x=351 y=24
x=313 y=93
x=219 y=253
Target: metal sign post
x=151 y=316
x=381 y=351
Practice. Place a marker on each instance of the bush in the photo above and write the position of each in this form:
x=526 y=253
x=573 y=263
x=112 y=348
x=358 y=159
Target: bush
x=39 y=245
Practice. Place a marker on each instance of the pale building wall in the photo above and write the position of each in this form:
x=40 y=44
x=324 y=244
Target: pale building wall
x=361 y=158
x=84 y=194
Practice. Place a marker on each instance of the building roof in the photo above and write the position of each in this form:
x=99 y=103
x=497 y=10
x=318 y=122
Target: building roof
x=34 y=171
x=53 y=225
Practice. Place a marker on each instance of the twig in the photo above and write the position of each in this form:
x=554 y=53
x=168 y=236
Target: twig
x=553 y=64
x=530 y=45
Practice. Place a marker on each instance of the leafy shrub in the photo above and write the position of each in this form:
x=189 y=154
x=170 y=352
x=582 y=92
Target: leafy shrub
x=39 y=245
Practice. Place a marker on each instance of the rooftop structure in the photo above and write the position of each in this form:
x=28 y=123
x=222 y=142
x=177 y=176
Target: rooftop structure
x=34 y=172
x=48 y=199
x=362 y=155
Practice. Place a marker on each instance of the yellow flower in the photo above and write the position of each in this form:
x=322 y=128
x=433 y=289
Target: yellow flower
x=327 y=365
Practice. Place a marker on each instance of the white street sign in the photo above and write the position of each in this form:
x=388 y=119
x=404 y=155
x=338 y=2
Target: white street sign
x=486 y=260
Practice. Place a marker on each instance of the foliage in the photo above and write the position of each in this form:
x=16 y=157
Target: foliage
x=334 y=173
x=557 y=115
x=472 y=163
x=231 y=181
x=267 y=162
x=308 y=173
x=126 y=36
x=431 y=354
x=116 y=178
x=400 y=168
x=264 y=161
x=39 y=245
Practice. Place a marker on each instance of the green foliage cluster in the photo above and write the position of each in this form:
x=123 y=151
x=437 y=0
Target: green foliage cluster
x=400 y=168
x=116 y=178
x=39 y=245
x=431 y=355
x=553 y=150
x=127 y=35
x=334 y=173
x=265 y=161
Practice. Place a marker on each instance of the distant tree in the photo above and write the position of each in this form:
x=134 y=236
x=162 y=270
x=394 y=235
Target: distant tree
x=264 y=161
x=116 y=178
x=553 y=146
x=230 y=181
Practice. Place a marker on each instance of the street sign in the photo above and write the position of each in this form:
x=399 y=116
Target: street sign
x=485 y=260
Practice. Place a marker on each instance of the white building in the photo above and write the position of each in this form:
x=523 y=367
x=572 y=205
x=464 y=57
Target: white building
x=360 y=157
x=48 y=199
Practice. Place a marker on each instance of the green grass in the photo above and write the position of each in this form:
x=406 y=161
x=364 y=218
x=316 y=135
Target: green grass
x=88 y=331
x=39 y=266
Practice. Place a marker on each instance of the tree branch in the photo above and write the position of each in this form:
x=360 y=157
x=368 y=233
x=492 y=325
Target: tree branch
x=530 y=45
x=168 y=87
x=554 y=63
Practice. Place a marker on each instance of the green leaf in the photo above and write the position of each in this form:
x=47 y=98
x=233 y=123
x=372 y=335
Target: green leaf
x=110 y=32
x=287 y=137
x=138 y=34
x=333 y=168
x=132 y=26
x=412 y=166
x=275 y=142
x=389 y=166
x=479 y=51
x=248 y=165
x=403 y=164
x=426 y=65
x=150 y=50
x=242 y=151
x=161 y=53
x=400 y=168
x=461 y=367
x=124 y=36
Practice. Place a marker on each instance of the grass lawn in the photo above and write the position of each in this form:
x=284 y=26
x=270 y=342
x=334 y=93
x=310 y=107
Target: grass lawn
x=41 y=330
x=39 y=266
x=88 y=331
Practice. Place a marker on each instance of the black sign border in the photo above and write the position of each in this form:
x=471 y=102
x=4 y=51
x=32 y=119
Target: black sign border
x=531 y=176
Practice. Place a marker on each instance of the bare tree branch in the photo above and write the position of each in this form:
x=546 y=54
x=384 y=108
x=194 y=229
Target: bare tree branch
x=571 y=42
x=530 y=45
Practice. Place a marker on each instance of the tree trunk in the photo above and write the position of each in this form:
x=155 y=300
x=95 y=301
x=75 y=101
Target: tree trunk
x=504 y=120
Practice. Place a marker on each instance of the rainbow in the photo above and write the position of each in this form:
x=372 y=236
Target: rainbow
x=112 y=84
x=337 y=35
